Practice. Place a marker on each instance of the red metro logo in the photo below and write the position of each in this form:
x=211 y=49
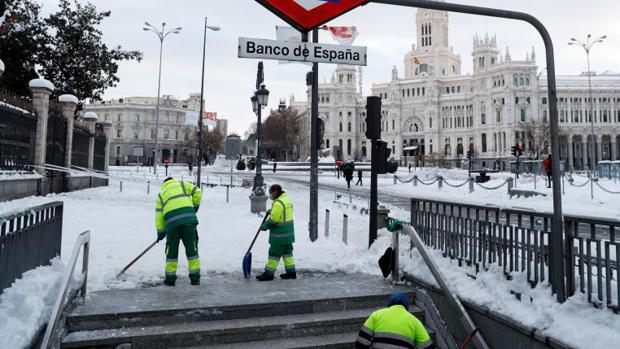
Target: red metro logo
x=306 y=15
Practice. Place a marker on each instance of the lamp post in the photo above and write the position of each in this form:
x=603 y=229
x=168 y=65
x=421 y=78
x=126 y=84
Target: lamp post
x=587 y=46
x=161 y=34
x=202 y=91
x=259 y=100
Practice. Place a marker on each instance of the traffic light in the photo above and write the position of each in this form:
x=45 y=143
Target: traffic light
x=513 y=150
x=521 y=150
x=470 y=154
x=373 y=117
x=382 y=153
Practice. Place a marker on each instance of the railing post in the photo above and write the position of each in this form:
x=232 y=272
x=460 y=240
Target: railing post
x=326 y=222
x=121 y=186
x=511 y=184
x=395 y=259
x=440 y=182
x=345 y=229
x=148 y=187
x=471 y=184
x=227 y=196
x=394 y=179
x=415 y=181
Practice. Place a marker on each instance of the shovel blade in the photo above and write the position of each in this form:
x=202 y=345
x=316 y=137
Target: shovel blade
x=247 y=265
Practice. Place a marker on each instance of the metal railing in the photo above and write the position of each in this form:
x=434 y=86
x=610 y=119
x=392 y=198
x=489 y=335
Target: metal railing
x=453 y=300
x=518 y=240
x=29 y=239
x=51 y=331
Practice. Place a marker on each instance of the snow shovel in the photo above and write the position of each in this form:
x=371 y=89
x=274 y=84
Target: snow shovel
x=386 y=261
x=247 y=259
x=136 y=259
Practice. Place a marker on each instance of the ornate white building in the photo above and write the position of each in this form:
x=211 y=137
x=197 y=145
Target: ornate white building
x=435 y=109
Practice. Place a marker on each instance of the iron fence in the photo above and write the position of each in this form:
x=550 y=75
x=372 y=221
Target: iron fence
x=81 y=137
x=17 y=128
x=56 y=137
x=29 y=239
x=518 y=240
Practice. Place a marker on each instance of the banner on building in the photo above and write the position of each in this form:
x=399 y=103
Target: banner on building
x=209 y=116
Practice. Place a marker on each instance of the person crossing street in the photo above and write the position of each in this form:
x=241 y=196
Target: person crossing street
x=176 y=221
x=281 y=235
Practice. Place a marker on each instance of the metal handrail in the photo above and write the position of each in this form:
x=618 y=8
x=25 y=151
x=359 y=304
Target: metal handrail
x=454 y=301
x=83 y=240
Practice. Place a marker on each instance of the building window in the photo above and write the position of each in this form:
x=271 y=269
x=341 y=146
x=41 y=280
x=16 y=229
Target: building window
x=484 y=142
x=341 y=127
x=483 y=119
x=522 y=115
x=118 y=150
x=176 y=134
x=430 y=122
x=349 y=127
x=393 y=125
x=348 y=147
x=187 y=136
x=498 y=116
x=166 y=134
x=118 y=117
x=152 y=133
x=137 y=118
x=136 y=134
x=119 y=133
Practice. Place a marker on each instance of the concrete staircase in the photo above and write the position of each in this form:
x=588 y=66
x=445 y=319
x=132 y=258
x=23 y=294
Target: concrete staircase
x=311 y=312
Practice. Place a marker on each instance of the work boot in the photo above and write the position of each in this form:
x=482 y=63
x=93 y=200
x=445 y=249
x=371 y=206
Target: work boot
x=264 y=277
x=169 y=283
x=288 y=276
x=195 y=282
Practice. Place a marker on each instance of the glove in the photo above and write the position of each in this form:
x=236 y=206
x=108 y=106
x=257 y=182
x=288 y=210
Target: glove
x=268 y=212
x=161 y=235
x=264 y=227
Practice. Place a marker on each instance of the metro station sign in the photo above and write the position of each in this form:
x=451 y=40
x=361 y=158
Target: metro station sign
x=306 y=15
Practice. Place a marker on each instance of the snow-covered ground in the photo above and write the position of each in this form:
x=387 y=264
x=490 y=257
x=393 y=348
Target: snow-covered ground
x=122 y=225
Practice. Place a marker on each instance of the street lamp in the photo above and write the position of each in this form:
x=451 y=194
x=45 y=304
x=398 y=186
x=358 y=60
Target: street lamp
x=587 y=46
x=161 y=34
x=202 y=92
x=259 y=100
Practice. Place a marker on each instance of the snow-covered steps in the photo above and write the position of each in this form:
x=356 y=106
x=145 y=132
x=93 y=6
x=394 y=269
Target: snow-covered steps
x=315 y=311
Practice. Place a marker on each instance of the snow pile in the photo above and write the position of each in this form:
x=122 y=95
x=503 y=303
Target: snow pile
x=68 y=99
x=27 y=305
x=41 y=83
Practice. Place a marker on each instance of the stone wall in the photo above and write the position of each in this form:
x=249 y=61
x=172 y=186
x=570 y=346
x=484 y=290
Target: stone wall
x=11 y=189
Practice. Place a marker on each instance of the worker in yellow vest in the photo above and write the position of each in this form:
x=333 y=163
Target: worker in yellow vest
x=175 y=220
x=394 y=327
x=281 y=236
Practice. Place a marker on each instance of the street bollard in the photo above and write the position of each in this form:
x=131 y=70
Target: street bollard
x=511 y=182
x=394 y=179
x=227 y=188
x=440 y=182
x=415 y=181
x=345 y=228
x=148 y=187
x=121 y=186
x=326 y=222
x=471 y=184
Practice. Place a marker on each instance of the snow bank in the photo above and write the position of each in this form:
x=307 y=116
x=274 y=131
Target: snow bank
x=27 y=305
x=41 y=83
x=68 y=99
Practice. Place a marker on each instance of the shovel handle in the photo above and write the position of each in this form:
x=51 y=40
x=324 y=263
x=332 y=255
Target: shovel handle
x=256 y=236
x=137 y=258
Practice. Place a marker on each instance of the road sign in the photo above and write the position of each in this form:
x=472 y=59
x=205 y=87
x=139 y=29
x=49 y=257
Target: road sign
x=306 y=15
x=301 y=51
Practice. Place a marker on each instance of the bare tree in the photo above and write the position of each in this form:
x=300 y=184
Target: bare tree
x=280 y=134
x=537 y=137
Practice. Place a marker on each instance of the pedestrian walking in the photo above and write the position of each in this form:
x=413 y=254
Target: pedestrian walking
x=275 y=165
x=176 y=221
x=281 y=235
x=409 y=168
x=548 y=166
x=359 y=178
x=393 y=327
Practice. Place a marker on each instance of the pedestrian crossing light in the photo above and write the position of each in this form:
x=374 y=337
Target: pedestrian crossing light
x=513 y=150
x=373 y=117
x=470 y=154
x=382 y=155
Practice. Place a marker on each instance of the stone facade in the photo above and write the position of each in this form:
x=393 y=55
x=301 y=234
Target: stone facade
x=133 y=126
x=436 y=110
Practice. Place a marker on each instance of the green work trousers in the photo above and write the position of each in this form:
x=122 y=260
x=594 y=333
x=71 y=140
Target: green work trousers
x=188 y=234
x=275 y=253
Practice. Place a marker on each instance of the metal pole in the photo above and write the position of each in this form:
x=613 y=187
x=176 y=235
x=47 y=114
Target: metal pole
x=372 y=232
x=326 y=222
x=593 y=149
x=558 y=280
x=161 y=49
x=258 y=178
x=314 y=148
x=345 y=229
x=202 y=92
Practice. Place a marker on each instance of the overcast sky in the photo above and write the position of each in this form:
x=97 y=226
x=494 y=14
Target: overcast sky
x=387 y=31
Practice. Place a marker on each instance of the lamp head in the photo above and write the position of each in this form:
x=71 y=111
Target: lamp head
x=254 y=101
x=263 y=96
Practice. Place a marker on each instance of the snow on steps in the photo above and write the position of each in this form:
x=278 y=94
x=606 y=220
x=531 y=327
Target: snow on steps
x=310 y=312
